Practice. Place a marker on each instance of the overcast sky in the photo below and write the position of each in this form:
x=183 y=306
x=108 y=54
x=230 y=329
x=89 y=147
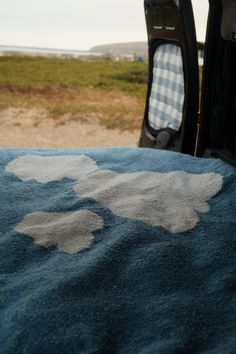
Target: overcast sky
x=79 y=24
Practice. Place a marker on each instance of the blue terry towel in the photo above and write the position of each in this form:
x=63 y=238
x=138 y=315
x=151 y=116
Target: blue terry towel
x=116 y=251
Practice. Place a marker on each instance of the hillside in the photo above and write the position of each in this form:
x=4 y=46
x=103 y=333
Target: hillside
x=55 y=102
x=108 y=93
x=130 y=48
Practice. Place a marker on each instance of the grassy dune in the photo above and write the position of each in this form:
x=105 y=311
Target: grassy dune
x=111 y=93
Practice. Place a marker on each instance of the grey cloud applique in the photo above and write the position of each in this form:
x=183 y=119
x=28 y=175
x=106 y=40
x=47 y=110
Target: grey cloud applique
x=71 y=232
x=46 y=169
x=171 y=200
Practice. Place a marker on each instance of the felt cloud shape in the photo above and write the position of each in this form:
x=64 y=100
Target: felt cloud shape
x=70 y=232
x=46 y=169
x=170 y=200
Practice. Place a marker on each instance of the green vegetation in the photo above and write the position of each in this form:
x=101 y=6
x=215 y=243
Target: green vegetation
x=71 y=89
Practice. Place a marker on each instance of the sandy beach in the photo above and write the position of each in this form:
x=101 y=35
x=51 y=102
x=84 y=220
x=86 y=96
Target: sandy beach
x=21 y=127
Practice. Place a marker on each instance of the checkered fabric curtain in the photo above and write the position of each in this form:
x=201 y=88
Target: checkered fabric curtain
x=167 y=93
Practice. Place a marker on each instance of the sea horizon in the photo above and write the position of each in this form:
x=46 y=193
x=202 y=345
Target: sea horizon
x=42 y=50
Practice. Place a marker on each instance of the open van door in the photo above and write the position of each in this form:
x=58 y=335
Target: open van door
x=217 y=134
x=171 y=112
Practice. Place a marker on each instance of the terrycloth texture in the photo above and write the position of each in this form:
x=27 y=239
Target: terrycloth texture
x=167 y=94
x=116 y=251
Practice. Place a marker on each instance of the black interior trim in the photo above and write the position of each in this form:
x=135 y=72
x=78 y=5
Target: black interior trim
x=218 y=109
x=175 y=25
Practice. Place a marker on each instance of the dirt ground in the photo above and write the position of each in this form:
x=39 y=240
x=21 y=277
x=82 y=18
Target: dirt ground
x=21 y=127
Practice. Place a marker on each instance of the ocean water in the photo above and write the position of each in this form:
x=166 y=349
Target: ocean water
x=45 y=51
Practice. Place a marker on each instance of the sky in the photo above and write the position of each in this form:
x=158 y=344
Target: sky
x=79 y=24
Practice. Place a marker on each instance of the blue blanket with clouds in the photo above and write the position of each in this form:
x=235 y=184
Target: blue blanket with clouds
x=116 y=251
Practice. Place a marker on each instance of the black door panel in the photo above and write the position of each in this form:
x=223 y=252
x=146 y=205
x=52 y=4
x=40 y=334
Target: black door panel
x=171 y=38
x=217 y=135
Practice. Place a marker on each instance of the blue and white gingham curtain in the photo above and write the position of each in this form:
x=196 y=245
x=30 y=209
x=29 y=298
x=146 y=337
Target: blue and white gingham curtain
x=167 y=93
